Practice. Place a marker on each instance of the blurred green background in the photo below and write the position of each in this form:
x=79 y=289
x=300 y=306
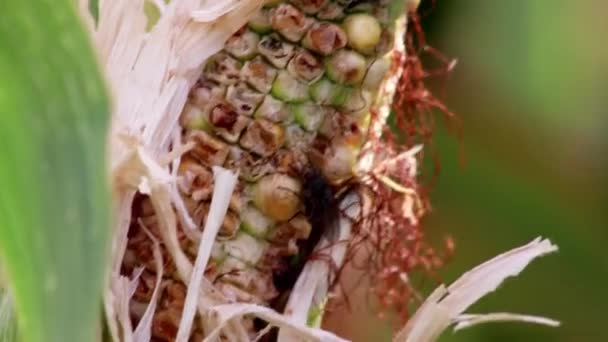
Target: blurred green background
x=531 y=88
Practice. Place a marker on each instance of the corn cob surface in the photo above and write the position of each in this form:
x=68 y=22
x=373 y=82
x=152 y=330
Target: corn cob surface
x=290 y=92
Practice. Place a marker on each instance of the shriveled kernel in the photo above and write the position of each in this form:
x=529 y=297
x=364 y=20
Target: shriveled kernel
x=206 y=91
x=263 y=137
x=243 y=160
x=336 y=161
x=237 y=200
x=346 y=67
x=287 y=88
x=277 y=196
x=276 y=51
x=195 y=180
x=230 y=224
x=289 y=161
x=227 y=123
x=243 y=44
x=194 y=118
x=325 y=38
x=297 y=137
x=363 y=32
x=260 y=23
x=223 y=69
x=289 y=22
x=199 y=212
x=298 y=228
x=229 y=227
x=207 y=149
x=259 y=74
x=223 y=115
x=305 y=66
x=343 y=127
x=244 y=99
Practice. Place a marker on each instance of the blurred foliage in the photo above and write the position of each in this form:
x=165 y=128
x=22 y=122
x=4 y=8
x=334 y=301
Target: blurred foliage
x=53 y=204
x=530 y=87
x=8 y=322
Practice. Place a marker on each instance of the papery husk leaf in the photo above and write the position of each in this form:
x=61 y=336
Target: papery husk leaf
x=224 y=183
x=471 y=320
x=443 y=307
x=225 y=313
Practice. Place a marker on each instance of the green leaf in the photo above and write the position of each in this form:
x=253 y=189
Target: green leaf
x=54 y=192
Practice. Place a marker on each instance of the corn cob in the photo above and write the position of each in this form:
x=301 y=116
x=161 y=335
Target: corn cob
x=291 y=91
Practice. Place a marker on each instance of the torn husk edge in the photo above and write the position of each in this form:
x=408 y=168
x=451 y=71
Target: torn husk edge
x=445 y=306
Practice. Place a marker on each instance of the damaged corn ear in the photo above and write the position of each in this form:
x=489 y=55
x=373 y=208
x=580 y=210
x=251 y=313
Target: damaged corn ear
x=292 y=89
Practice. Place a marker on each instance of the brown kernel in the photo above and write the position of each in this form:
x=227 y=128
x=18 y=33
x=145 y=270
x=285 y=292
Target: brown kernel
x=195 y=179
x=325 y=38
x=165 y=324
x=223 y=115
x=289 y=22
x=263 y=137
x=230 y=226
x=305 y=66
x=223 y=69
x=209 y=150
